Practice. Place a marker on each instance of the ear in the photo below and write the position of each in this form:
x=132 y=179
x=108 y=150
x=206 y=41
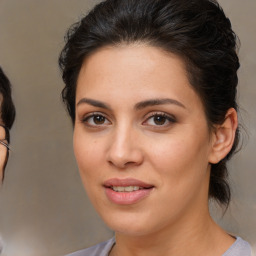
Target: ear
x=223 y=137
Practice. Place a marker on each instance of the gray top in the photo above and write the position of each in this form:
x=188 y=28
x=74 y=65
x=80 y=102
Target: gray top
x=101 y=249
x=238 y=248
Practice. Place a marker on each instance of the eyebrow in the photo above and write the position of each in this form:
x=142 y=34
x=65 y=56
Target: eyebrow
x=155 y=102
x=94 y=103
x=138 y=106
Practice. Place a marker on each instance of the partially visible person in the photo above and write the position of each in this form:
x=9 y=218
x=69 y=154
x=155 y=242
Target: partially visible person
x=7 y=116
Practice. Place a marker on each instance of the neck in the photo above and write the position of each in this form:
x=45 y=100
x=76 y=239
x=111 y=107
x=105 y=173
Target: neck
x=199 y=237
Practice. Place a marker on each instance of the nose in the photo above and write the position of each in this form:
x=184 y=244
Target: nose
x=125 y=150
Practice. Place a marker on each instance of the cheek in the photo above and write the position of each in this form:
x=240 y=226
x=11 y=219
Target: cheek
x=170 y=153
x=87 y=153
x=182 y=170
x=180 y=160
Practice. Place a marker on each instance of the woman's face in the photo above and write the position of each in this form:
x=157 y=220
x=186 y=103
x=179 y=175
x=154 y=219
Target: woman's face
x=141 y=139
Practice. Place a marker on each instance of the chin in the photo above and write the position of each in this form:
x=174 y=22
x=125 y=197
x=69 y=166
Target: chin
x=130 y=223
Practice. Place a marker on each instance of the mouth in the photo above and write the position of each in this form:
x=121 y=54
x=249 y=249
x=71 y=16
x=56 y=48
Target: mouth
x=126 y=191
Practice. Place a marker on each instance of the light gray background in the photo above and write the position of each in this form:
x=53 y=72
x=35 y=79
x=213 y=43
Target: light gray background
x=43 y=207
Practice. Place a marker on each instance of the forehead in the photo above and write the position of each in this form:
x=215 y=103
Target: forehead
x=139 y=65
x=137 y=71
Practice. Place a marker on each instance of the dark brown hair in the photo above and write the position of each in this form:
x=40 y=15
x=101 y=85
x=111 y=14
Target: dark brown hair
x=7 y=106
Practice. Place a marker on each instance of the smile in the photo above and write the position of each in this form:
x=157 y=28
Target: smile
x=126 y=191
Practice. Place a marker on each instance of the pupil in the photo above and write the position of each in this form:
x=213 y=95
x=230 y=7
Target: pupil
x=99 y=119
x=159 y=120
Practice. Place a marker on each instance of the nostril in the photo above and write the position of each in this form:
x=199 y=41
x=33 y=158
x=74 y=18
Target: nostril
x=119 y=164
x=124 y=153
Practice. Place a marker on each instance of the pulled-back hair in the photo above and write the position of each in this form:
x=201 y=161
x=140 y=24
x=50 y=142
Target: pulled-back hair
x=196 y=30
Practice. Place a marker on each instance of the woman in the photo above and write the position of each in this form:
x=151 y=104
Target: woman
x=151 y=89
x=6 y=120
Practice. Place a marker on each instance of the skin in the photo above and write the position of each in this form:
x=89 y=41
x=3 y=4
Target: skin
x=3 y=149
x=174 y=155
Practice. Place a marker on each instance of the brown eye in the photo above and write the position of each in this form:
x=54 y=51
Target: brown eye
x=160 y=120
x=97 y=119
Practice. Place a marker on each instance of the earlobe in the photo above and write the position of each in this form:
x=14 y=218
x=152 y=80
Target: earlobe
x=223 y=137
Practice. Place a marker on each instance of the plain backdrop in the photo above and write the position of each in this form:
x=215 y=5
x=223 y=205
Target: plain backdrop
x=43 y=207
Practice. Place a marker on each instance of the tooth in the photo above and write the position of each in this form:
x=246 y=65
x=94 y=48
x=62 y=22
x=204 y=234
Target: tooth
x=126 y=189
x=118 y=189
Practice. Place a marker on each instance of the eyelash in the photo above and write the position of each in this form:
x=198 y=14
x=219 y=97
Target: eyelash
x=167 y=118
x=86 y=119
x=170 y=119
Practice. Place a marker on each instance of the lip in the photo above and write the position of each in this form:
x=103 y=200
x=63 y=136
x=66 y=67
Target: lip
x=126 y=182
x=127 y=198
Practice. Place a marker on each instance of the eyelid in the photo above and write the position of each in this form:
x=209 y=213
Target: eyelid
x=169 y=117
x=91 y=115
